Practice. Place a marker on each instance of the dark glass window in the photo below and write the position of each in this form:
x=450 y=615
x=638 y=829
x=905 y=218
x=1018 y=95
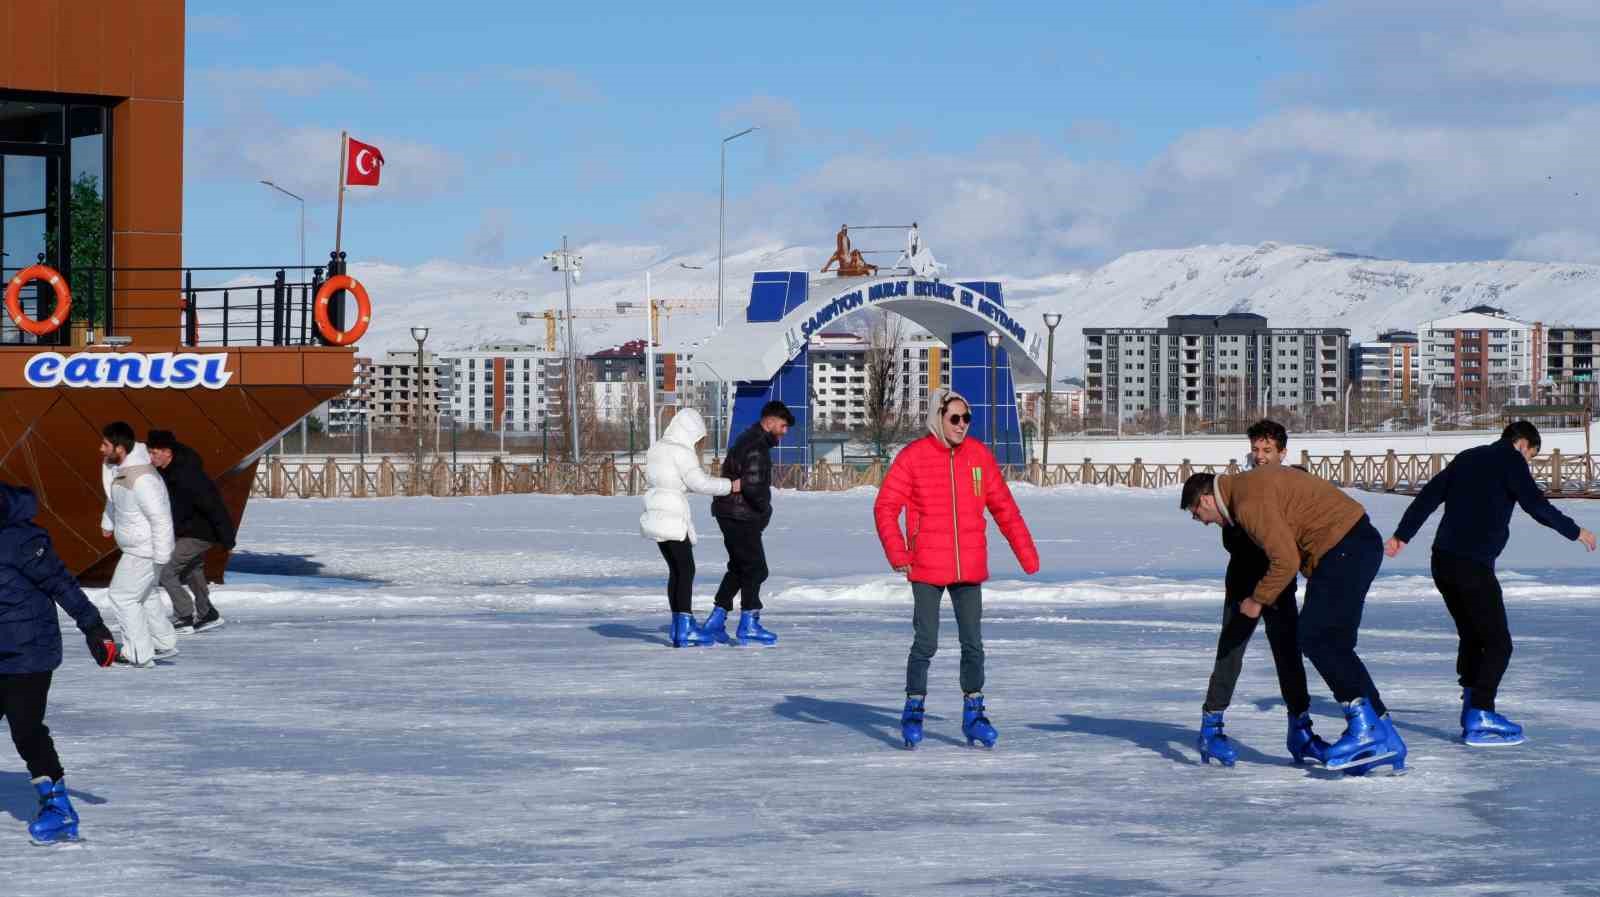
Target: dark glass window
x=24 y=121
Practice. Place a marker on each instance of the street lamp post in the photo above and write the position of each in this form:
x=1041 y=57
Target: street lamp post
x=722 y=215
x=302 y=202
x=569 y=265
x=420 y=334
x=994 y=343
x=1051 y=321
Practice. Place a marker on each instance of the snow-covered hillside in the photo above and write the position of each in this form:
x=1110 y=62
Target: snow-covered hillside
x=1291 y=285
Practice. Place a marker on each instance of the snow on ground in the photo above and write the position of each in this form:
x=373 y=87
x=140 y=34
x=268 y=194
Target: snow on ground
x=474 y=697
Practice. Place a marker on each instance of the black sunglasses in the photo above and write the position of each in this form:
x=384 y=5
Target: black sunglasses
x=961 y=418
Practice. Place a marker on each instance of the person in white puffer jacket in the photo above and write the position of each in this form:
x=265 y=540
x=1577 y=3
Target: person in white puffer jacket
x=672 y=470
x=139 y=516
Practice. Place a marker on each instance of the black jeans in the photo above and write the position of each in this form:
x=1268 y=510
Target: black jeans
x=680 y=575
x=1283 y=635
x=1472 y=595
x=1336 y=594
x=22 y=703
x=747 y=564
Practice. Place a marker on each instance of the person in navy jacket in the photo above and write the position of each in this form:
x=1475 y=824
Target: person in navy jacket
x=33 y=581
x=1479 y=489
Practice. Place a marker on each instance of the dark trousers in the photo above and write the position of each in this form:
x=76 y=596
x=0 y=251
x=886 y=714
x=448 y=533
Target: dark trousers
x=680 y=575
x=967 y=598
x=22 y=702
x=1472 y=595
x=1336 y=594
x=747 y=564
x=1283 y=625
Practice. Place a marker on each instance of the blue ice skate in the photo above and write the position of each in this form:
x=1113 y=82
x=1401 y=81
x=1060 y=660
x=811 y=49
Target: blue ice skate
x=974 y=724
x=1365 y=740
x=715 y=628
x=1305 y=746
x=1485 y=728
x=56 y=821
x=911 y=721
x=751 y=630
x=1212 y=743
x=685 y=634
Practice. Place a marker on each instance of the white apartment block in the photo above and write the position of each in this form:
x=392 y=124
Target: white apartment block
x=838 y=371
x=348 y=412
x=507 y=385
x=1211 y=366
x=1478 y=350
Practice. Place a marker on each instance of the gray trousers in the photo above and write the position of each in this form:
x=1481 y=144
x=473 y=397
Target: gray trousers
x=188 y=567
x=968 y=601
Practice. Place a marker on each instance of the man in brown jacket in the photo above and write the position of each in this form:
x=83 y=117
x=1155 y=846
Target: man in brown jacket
x=1303 y=522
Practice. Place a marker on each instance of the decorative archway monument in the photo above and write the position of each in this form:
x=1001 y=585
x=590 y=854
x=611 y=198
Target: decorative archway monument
x=767 y=355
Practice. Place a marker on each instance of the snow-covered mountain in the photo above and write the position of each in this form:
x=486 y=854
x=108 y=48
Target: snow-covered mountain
x=1290 y=285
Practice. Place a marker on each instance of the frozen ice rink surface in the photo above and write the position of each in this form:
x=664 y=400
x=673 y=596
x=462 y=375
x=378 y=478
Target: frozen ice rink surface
x=475 y=697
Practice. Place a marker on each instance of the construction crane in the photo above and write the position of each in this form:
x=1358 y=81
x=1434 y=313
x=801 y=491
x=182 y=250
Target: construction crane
x=552 y=320
x=665 y=307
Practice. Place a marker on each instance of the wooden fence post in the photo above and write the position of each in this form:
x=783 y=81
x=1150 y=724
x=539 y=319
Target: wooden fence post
x=330 y=479
x=1086 y=476
x=1347 y=470
x=608 y=476
x=386 y=478
x=275 y=478
x=1305 y=459
x=1136 y=474
x=1557 y=484
x=1391 y=471
x=1185 y=471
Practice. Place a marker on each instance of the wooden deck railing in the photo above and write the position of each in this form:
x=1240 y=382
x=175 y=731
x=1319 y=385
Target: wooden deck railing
x=1571 y=476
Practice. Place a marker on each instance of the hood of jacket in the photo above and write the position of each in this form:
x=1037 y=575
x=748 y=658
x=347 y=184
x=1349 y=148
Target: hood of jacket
x=936 y=414
x=686 y=428
x=139 y=456
x=17 y=505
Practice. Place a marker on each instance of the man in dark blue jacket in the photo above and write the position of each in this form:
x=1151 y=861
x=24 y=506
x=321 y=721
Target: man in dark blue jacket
x=743 y=515
x=32 y=582
x=1478 y=490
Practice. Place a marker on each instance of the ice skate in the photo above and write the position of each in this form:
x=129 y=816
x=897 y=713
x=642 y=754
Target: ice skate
x=1305 y=746
x=974 y=724
x=685 y=634
x=1485 y=728
x=751 y=630
x=1212 y=743
x=56 y=822
x=715 y=628
x=911 y=721
x=1365 y=740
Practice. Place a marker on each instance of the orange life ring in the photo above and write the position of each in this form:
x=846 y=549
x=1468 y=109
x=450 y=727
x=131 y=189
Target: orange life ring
x=63 y=299
x=325 y=326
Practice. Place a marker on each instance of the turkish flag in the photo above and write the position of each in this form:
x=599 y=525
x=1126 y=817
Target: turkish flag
x=363 y=163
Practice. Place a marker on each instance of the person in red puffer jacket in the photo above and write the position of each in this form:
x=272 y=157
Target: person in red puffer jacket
x=943 y=482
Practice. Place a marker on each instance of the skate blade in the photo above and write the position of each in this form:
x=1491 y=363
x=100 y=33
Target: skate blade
x=72 y=843
x=1363 y=761
x=1497 y=743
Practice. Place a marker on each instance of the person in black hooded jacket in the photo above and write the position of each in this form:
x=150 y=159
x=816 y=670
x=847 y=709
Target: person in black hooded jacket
x=200 y=521
x=33 y=581
x=742 y=516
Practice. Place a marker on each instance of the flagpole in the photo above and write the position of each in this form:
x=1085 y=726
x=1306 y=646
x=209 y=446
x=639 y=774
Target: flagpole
x=338 y=227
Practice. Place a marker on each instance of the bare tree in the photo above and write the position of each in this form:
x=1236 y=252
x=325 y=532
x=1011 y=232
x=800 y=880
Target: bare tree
x=885 y=415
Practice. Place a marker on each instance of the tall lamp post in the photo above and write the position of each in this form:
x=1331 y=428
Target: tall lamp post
x=1051 y=321
x=722 y=216
x=302 y=202
x=420 y=334
x=994 y=343
x=570 y=266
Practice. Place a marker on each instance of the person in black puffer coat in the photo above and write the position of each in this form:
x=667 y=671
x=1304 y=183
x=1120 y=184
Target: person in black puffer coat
x=200 y=521
x=742 y=516
x=33 y=581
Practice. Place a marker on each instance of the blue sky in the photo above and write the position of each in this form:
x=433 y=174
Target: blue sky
x=1038 y=137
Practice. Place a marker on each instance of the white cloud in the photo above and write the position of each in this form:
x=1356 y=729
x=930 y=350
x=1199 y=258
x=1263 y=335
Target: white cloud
x=306 y=161
x=295 y=81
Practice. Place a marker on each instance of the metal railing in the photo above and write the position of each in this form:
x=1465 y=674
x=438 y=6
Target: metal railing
x=254 y=305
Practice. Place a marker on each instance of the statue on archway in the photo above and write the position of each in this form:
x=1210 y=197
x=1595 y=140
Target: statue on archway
x=841 y=250
x=917 y=258
x=849 y=260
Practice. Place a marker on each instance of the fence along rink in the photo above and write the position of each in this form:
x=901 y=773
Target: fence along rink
x=1571 y=476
